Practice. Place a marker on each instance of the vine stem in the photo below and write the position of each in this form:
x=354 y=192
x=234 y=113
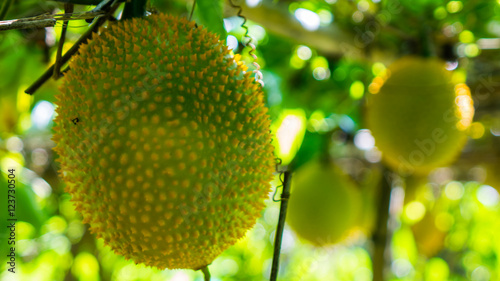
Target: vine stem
x=285 y=195
x=192 y=10
x=206 y=273
x=73 y=50
x=379 y=236
x=68 y=8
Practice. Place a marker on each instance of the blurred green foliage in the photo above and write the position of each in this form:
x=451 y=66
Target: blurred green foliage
x=444 y=227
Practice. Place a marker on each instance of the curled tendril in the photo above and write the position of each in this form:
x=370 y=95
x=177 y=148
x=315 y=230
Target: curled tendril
x=281 y=179
x=258 y=74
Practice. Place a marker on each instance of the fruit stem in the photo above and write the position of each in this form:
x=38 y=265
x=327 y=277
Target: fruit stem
x=379 y=236
x=73 y=50
x=206 y=273
x=285 y=195
x=192 y=10
x=68 y=8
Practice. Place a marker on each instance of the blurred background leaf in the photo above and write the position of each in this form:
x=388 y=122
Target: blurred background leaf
x=210 y=15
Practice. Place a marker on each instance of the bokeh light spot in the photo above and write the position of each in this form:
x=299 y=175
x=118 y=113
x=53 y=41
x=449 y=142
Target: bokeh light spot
x=466 y=36
x=454 y=6
x=308 y=19
x=487 y=195
x=357 y=90
x=39 y=157
x=232 y=42
x=41 y=187
x=253 y=3
x=321 y=73
x=357 y=16
x=436 y=269
x=304 y=52
x=401 y=267
x=42 y=114
x=481 y=273
x=86 y=266
x=14 y=144
x=471 y=50
x=378 y=68
x=476 y=130
x=440 y=13
x=325 y=16
x=414 y=211
x=454 y=190
x=364 y=139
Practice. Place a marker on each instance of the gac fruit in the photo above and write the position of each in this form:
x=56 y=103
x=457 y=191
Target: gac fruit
x=418 y=116
x=164 y=142
x=324 y=205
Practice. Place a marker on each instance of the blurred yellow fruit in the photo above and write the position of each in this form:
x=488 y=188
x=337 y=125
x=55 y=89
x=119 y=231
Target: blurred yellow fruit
x=424 y=212
x=324 y=204
x=418 y=116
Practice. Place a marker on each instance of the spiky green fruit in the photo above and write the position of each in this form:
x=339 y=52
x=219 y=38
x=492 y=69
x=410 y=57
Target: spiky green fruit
x=324 y=203
x=418 y=115
x=164 y=142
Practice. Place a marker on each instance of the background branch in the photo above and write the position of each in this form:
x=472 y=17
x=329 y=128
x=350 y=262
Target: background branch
x=380 y=236
x=329 y=40
x=275 y=17
x=48 y=20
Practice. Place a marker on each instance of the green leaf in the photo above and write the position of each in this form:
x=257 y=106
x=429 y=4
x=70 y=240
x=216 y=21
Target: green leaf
x=309 y=149
x=210 y=14
x=26 y=207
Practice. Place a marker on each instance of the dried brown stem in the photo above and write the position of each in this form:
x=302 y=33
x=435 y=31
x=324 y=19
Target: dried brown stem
x=47 y=20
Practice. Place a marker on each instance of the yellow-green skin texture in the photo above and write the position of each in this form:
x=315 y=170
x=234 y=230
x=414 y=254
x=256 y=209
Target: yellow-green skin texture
x=324 y=204
x=170 y=160
x=416 y=119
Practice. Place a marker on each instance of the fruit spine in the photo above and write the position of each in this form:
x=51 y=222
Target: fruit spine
x=164 y=142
